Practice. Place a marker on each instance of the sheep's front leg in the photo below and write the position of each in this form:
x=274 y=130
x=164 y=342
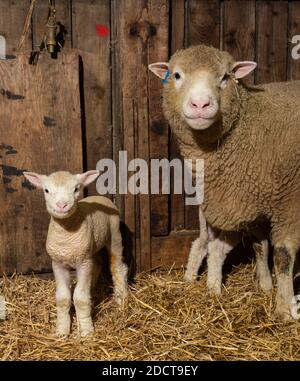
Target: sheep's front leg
x=117 y=267
x=63 y=298
x=217 y=252
x=263 y=273
x=198 y=251
x=284 y=259
x=82 y=298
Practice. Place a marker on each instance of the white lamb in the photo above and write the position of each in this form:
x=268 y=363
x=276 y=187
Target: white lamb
x=78 y=229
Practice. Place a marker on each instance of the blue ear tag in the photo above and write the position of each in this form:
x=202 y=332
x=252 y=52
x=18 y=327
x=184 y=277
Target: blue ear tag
x=167 y=75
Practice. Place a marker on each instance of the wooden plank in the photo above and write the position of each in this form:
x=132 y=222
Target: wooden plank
x=133 y=36
x=96 y=77
x=63 y=18
x=12 y=18
x=144 y=199
x=294 y=29
x=172 y=250
x=116 y=100
x=40 y=131
x=271 y=43
x=142 y=38
x=177 y=42
x=128 y=116
x=158 y=13
x=239 y=31
x=204 y=22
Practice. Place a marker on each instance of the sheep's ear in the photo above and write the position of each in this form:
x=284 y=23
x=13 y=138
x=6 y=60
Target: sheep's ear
x=159 y=69
x=88 y=177
x=242 y=68
x=35 y=179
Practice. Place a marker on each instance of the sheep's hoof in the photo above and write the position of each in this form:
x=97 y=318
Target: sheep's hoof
x=87 y=332
x=283 y=314
x=265 y=285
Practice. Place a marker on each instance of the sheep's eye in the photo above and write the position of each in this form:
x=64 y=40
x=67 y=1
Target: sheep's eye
x=177 y=75
x=76 y=189
x=225 y=77
x=46 y=190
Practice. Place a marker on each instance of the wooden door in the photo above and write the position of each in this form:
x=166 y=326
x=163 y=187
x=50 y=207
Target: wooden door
x=40 y=131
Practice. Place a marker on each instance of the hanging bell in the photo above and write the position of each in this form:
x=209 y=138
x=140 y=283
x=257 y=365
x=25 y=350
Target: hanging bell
x=51 y=31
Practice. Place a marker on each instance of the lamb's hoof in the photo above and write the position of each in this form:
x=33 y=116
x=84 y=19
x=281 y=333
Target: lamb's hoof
x=62 y=332
x=87 y=332
x=214 y=289
x=121 y=300
x=189 y=278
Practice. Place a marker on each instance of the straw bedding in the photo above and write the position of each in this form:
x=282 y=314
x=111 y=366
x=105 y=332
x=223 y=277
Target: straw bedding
x=165 y=320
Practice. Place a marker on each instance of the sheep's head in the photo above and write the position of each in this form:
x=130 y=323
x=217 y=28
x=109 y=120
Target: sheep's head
x=62 y=190
x=199 y=83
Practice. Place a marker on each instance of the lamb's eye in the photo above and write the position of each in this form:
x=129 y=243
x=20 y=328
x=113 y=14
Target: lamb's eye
x=46 y=190
x=76 y=189
x=177 y=76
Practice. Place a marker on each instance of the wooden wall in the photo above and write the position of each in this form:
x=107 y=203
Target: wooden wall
x=121 y=100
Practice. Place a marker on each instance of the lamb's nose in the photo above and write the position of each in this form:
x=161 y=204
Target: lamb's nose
x=200 y=104
x=62 y=205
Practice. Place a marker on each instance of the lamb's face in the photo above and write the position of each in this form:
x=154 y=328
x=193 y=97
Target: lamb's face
x=62 y=190
x=197 y=82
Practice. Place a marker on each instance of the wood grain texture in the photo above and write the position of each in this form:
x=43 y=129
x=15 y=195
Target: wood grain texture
x=134 y=33
x=96 y=76
x=271 y=43
x=39 y=131
x=204 y=22
x=116 y=99
x=172 y=250
x=12 y=18
x=158 y=13
x=239 y=31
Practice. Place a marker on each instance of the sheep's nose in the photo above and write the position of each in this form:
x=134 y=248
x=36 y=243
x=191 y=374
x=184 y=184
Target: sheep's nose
x=199 y=104
x=62 y=205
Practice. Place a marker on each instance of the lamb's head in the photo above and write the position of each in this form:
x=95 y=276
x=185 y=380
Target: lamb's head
x=199 y=84
x=62 y=190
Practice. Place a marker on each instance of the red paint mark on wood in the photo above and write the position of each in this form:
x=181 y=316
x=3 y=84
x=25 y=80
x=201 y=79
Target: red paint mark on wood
x=102 y=30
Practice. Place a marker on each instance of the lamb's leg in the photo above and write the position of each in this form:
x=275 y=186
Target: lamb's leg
x=63 y=298
x=263 y=273
x=217 y=252
x=198 y=251
x=82 y=298
x=284 y=258
x=117 y=267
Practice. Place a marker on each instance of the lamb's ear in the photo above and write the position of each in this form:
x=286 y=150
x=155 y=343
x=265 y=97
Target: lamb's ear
x=159 y=69
x=88 y=177
x=35 y=179
x=242 y=68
